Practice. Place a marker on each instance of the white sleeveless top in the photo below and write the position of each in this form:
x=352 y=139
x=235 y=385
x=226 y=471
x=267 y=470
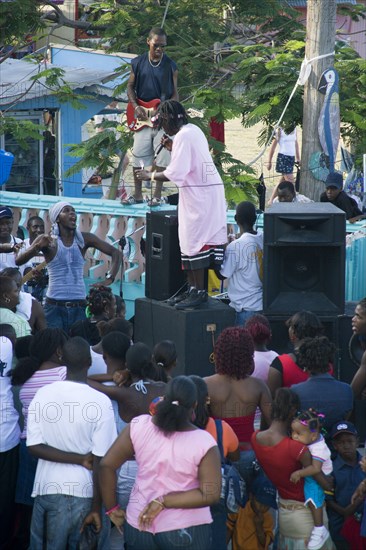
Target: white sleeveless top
x=287 y=143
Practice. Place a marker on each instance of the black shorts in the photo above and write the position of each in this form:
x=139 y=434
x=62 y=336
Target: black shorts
x=209 y=257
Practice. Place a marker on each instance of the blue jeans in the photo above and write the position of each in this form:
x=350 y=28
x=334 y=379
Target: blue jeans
x=245 y=466
x=57 y=520
x=198 y=537
x=242 y=317
x=62 y=316
x=219 y=515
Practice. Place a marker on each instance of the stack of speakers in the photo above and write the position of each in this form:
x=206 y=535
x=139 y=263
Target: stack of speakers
x=304 y=268
x=193 y=331
x=304 y=265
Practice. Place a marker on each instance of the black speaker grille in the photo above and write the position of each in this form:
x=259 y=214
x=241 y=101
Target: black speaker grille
x=304 y=259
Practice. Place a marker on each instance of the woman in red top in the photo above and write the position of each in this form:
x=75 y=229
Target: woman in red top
x=273 y=447
x=284 y=370
x=234 y=394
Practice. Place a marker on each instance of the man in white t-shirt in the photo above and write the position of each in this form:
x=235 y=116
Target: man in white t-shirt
x=9 y=437
x=9 y=245
x=286 y=193
x=243 y=266
x=70 y=427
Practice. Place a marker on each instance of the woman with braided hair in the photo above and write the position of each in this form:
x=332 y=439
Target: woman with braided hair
x=322 y=391
x=202 y=208
x=101 y=306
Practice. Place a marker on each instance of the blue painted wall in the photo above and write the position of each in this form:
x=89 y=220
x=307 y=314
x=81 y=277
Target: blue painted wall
x=71 y=121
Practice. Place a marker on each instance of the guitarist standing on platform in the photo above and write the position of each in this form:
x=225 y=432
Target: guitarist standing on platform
x=153 y=76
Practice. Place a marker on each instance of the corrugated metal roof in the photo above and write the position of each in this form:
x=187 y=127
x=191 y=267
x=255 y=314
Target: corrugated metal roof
x=303 y=3
x=15 y=79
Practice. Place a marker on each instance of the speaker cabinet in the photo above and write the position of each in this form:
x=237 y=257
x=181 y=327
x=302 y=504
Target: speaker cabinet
x=304 y=259
x=164 y=275
x=280 y=337
x=190 y=330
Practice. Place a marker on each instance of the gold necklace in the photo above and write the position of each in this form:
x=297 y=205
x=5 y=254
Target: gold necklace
x=151 y=63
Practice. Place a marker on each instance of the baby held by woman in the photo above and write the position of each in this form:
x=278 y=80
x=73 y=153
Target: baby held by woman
x=306 y=429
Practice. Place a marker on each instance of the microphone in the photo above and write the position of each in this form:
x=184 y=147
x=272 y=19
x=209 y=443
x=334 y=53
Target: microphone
x=160 y=147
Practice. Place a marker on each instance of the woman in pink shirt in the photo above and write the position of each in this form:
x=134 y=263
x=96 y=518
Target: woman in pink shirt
x=179 y=475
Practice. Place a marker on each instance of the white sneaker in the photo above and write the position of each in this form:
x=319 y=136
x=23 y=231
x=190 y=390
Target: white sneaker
x=318 y=537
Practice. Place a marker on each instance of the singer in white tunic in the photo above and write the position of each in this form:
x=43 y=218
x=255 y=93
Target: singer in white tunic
x=202 y=207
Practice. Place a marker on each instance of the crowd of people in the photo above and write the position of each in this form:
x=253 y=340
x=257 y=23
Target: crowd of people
x=73 y=383
x=99 y=434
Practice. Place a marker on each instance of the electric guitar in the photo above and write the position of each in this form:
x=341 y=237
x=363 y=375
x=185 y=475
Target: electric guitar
x=149 y=107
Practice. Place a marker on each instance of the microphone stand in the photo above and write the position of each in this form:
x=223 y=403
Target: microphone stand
x=122 y=243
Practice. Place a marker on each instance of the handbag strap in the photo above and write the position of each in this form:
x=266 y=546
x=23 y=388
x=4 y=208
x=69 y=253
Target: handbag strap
x=218 y=423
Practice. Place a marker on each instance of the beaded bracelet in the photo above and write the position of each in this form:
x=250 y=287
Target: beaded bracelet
x=109 y=512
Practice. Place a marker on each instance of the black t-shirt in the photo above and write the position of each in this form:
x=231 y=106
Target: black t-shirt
x=345 y=203
x=149 y=79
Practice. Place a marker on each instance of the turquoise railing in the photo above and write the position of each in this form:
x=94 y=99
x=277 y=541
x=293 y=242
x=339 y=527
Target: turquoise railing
x=110 y=220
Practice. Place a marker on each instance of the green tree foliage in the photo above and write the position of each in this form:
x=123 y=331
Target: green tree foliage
x=269 y=74
x=263 y=54
x=19 y=20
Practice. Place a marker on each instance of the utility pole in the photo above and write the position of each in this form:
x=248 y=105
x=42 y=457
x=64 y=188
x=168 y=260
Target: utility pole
x=320 y=40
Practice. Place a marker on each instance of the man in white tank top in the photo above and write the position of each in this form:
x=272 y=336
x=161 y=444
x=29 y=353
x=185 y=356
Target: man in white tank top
x=64 y=253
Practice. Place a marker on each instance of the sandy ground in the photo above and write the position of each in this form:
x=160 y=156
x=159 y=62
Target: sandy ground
x=242 y=144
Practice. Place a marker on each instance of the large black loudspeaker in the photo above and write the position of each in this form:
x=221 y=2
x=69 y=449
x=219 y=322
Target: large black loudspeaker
x=163 y=275
x=193 y=331
x=280 y=338
x=304 y=259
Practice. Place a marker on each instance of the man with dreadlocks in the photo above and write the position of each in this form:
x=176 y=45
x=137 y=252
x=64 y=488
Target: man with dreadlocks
x=202 y=208
x=64 y=253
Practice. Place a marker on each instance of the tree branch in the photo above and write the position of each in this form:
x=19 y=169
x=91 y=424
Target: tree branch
x=57 y=16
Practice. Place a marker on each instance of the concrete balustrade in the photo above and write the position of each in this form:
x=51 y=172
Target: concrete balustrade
x=109 y=220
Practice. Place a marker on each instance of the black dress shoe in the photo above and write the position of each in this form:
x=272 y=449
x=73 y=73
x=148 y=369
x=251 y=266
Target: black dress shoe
x=176 y=299
x=194 y=299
